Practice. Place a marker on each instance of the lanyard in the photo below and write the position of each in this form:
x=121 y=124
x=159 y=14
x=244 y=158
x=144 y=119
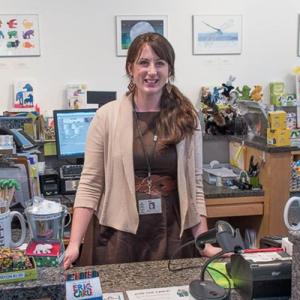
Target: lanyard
x=148 y=158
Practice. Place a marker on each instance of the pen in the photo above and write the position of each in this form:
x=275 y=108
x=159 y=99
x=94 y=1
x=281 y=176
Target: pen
x=272 y=249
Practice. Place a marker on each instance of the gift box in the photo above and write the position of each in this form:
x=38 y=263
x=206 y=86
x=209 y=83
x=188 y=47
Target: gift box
x=15 y=266
x=48 y=254
x=277 y=119
x=278 y=137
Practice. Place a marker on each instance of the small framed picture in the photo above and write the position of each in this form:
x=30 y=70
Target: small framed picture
x=217 y=34
x=129 y=27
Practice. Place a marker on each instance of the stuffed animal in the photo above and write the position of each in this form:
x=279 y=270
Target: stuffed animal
x=244 y=93
x=256 y=94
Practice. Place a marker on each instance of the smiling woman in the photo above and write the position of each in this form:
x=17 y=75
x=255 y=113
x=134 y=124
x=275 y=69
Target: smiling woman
x=143 y=163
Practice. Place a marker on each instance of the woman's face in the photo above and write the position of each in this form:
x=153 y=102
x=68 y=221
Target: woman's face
x=150 y=73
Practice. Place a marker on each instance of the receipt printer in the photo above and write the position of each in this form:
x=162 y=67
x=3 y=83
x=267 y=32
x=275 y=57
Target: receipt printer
x=262 y=275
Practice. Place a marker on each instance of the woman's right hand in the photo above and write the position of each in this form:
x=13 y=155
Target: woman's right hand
x=71 y=254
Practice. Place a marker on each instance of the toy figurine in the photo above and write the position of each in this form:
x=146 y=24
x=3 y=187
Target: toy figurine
x=205 y=95
x=227 y=87
x=256 y=94
x=244 y=93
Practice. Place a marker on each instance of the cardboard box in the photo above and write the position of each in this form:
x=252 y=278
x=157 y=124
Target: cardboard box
x=278 y=137
x=295 y=137
x=21 y=275
x=51 y=259
x=277 y=119
x=276 y=92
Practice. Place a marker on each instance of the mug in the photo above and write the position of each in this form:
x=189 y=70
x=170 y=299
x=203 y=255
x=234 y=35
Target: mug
x=5 y=229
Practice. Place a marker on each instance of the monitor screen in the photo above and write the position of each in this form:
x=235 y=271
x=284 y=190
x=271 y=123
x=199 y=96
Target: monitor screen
x=100 y=97
x=71 y=128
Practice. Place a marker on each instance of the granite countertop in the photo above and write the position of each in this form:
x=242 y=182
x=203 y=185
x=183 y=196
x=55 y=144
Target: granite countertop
x=212 y=191
x=50 y=284
x=114 y=278
x=144 y=275
x=261 y=144
x=255 y=142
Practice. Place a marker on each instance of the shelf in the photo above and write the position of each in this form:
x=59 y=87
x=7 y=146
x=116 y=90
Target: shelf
x=234 y=207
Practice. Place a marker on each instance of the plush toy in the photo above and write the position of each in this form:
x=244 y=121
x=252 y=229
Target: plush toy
x=205 y=95
x=256 y=94
x=244 y=93
x=227 y=87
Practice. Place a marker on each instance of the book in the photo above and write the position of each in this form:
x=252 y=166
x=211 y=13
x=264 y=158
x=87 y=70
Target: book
x=76 y=95
x=24 y=94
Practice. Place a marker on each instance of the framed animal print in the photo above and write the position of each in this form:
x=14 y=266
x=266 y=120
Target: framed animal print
x=19 y=35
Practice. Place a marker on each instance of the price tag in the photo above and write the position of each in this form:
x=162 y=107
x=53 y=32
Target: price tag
x=82 y=286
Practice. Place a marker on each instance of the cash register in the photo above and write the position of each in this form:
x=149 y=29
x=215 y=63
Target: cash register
x=262 y=274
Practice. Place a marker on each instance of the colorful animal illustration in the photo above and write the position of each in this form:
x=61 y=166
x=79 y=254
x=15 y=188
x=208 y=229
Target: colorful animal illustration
x=13 y=44
x=42 y=249
x=28 y=34
x=12 y=23
x=244 y=93
x=27 y=24
x=28 y=45
x=19 y=97
x=29 y=100
x=256 y=94
x=12 y=34
x=1 y=35
x=1 y=23
x=27 y=87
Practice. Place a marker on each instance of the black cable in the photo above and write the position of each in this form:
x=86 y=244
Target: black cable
x=207 y=262
x=174 y=254
x=227 y=279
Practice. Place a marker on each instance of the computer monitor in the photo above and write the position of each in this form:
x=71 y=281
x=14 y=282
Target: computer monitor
x=71 y=128
x=100 y=97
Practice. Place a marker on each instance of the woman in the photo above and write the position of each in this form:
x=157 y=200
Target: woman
x=142 y=175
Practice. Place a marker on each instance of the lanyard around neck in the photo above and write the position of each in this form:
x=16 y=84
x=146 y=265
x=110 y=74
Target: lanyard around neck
x=148 y=158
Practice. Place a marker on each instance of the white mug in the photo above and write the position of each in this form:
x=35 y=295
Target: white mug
x=5 y=229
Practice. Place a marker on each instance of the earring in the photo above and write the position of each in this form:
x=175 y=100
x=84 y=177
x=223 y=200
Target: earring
x=169 y=87
x=131 y=86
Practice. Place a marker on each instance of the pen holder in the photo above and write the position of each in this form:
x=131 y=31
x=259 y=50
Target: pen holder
x=254 y=181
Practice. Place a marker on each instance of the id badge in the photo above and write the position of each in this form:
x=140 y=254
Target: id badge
x=149 y=206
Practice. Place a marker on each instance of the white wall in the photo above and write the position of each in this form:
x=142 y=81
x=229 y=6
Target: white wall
x=78 y=44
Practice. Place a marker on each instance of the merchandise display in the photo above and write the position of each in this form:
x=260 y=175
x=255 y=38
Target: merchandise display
x=16 y=266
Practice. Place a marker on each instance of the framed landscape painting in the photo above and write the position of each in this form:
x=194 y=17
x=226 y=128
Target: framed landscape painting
x=217 y=34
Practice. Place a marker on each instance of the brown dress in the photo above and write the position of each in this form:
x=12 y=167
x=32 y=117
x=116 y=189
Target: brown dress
x=158 y=234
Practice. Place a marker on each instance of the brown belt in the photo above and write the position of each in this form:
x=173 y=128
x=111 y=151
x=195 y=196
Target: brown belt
x=161 y=185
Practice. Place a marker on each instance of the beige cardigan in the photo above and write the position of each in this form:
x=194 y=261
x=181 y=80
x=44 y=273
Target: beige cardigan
x=107 y=180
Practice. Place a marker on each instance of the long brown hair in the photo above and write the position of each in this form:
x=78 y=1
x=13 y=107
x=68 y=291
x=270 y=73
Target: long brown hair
x=178 y=117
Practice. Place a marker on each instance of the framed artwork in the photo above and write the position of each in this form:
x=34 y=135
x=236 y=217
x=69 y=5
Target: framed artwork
x=19 y=35
x=217 y=34
x=129 y=27
x=24 y=94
